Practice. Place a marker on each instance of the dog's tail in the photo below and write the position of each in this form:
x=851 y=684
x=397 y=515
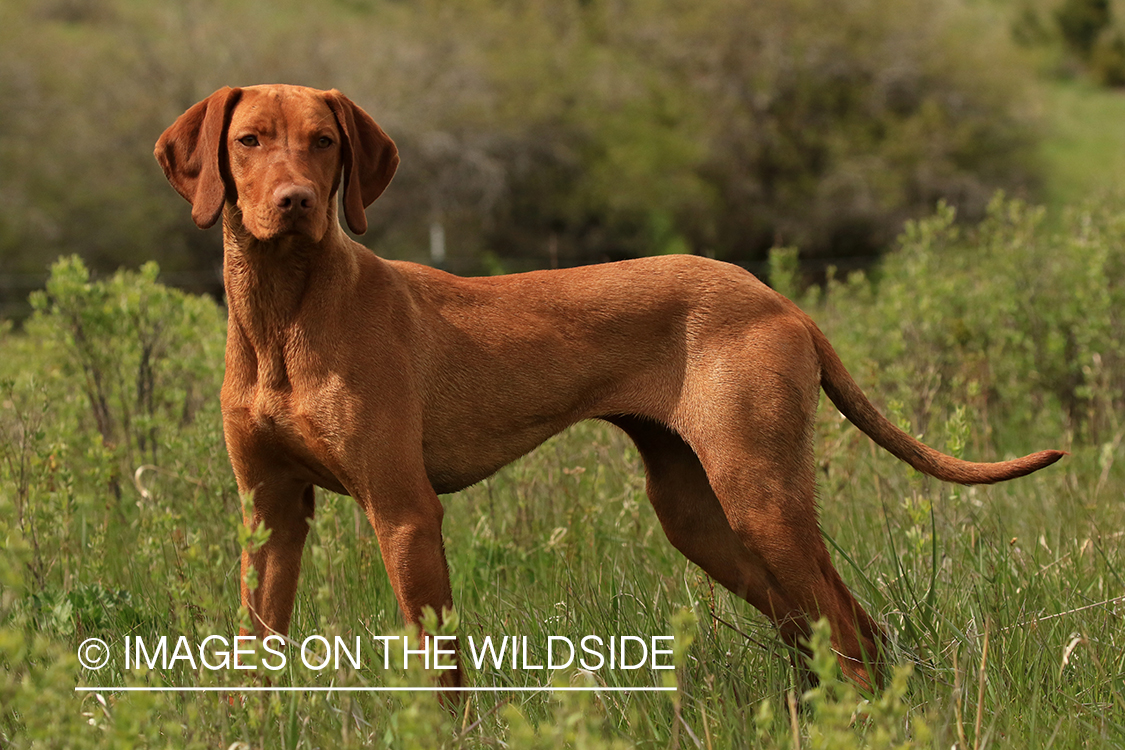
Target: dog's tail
x=853 y=404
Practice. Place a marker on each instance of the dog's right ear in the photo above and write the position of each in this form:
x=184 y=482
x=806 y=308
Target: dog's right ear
x=189 y=152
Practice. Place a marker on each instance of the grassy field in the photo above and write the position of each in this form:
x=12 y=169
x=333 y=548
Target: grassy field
x=1083 y=153
x=120 y=519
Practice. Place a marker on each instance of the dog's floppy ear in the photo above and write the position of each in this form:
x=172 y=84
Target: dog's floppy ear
x=189 y=152
x=370 y=158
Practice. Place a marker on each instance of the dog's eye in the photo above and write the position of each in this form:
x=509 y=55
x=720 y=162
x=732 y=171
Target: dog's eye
x=249 y=140
x=323 y=142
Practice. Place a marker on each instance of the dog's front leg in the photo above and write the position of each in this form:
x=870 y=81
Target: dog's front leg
x=407 y=516
x=285 y=508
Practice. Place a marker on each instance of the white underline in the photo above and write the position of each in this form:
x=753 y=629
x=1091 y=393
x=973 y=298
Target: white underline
x=428 y=689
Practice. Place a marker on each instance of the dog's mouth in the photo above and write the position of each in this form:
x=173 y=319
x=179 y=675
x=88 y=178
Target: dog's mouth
x=291 y=225
x=276 y=226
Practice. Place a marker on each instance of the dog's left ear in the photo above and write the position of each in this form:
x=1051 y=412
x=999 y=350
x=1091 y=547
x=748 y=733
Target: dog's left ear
x=190 y=150
x=370 y=159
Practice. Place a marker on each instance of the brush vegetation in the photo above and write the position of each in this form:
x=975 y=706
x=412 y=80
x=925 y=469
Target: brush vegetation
x=533 y=133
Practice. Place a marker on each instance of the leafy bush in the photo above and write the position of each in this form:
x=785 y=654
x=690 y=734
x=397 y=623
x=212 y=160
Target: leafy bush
x=1023 y=326
x=1074 y=37
x=1107 y=59
x=827 y=125
x=144 y=354
x=1081 y=22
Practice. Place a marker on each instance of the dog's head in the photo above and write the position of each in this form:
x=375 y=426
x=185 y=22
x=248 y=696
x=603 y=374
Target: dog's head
x=278 y=153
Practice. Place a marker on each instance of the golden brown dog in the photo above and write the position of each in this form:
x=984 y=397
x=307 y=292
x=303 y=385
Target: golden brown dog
x=395 y=383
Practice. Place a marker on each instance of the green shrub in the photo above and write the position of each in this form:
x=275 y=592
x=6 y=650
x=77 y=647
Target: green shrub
x=1081 y=22
x=1107 y=59
x=145 y=354
x=1022 y=325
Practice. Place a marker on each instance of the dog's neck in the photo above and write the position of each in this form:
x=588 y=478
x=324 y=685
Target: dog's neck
x=267 y=283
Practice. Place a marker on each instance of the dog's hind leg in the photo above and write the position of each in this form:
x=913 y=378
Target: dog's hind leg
x=774 y=516
x=755 y=444
x=694 y=522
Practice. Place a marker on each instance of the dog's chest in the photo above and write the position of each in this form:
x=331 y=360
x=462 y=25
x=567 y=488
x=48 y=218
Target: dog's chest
x=272 y=417
x=294 y=429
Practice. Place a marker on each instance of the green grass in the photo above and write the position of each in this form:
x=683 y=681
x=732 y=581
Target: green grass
x=1083 y=148
x=1024 y=561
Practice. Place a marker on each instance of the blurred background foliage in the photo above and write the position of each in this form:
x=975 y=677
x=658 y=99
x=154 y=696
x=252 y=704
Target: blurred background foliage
x=549 y=132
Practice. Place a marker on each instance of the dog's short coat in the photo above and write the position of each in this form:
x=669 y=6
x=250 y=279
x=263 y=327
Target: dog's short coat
x=394 y=382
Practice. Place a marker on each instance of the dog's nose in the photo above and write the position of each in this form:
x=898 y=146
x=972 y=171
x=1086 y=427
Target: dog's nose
x=294 y=199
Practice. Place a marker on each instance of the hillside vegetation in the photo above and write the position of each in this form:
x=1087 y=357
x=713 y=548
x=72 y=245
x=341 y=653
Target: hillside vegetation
x=535 y=133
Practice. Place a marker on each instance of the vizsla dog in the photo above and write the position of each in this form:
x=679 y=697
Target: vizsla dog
x=395 y=383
